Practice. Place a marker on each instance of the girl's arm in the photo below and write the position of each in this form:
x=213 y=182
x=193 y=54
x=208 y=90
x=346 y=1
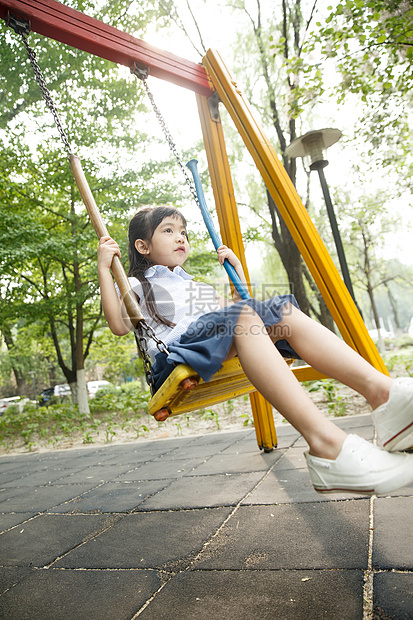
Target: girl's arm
x=112 y=306
x=225 y=253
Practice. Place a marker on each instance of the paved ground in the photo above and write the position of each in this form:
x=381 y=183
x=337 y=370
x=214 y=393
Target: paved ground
x=198 y=528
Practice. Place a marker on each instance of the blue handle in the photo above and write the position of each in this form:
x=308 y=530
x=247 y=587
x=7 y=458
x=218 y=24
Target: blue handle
x=235 y=279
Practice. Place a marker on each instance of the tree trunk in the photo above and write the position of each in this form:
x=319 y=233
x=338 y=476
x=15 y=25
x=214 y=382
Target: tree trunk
x=290 y=256
x=393 y=305
x=22 y=386
x=375 y=316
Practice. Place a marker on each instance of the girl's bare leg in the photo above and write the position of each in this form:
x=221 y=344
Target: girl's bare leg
x=268 y=372
x=327 y=353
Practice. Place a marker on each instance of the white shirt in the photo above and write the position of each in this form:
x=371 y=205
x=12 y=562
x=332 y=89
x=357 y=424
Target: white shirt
x=178 y=298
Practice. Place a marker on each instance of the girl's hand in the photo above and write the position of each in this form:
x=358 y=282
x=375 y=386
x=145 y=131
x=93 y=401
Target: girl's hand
x=107 y=249
x=225 y=253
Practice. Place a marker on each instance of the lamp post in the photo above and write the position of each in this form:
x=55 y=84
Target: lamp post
x=313 y=144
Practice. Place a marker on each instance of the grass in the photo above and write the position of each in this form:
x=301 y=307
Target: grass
x=123 y=411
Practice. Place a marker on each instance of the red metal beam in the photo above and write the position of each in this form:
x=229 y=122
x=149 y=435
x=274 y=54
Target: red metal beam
x=62 y=23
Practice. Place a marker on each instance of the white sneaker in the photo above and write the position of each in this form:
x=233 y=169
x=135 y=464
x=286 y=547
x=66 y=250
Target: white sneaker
x=394 y=419
x=360 y=468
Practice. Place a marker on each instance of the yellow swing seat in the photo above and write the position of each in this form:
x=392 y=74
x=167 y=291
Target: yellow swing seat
x=185 y=391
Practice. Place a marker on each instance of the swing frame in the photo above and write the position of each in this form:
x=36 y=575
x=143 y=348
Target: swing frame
x=213 y=84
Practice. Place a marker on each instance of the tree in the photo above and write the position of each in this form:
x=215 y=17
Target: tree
x=369 y=222
x=371 y=45
x=282 y=83
x=48 y=247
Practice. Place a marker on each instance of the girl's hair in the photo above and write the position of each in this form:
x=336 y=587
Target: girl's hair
x=142 y=226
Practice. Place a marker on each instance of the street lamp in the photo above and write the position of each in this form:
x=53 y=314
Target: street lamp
x=313 y=144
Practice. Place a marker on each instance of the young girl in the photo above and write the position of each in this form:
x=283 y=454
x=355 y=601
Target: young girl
x=203 y=329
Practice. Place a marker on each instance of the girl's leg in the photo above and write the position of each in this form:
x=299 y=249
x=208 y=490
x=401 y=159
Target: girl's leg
x=336 y=461
x=268 y=372
x=327 y=353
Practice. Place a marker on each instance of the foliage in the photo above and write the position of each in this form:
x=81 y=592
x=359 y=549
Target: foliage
x=48 y=246
x=115 y=412
x=329 y=387
x=400 y=361
x=371 y=44
x=111 y=412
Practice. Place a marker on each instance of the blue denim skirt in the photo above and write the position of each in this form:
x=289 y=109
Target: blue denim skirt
x=207 y=341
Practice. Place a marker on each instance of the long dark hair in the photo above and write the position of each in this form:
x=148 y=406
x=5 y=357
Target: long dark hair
x=142 y=226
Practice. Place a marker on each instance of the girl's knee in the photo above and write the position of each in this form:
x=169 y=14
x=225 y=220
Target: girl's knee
x=249 y=322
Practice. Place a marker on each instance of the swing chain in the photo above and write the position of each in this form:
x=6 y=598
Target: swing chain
x=142 y=74
x=45 y=92
x=142 y=332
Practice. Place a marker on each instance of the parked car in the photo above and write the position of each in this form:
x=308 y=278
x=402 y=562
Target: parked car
x=6 y=402
x=61 y=391
x=94 y=386
x=20 y=401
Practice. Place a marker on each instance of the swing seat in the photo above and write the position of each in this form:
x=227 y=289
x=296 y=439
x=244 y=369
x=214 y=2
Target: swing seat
x=229 y=382
x=185 y=391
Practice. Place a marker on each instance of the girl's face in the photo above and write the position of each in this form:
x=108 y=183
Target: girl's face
x=169 y=244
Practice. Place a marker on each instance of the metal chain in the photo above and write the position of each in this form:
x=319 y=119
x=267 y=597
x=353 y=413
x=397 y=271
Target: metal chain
x=45 y=92
x=167 y=135
x=142 y=332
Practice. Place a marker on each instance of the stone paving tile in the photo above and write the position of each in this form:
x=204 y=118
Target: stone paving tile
x=393 y=533
x=10 y=520
x=293 y=459
x=10 y=478
x=203 y=491
x=43 y=476
x=10 y=576
x=72 y=595
x=403 y=492
x=288 y=486
x=237 y=463
x=250 y=566
x=352 y=423
x=45 y=538
x=140 y=452
x=167 y=540
x=291 y=536
x=361 y=425
x=248 y=445
x=393 y=596
x=160 y=469
x=94 y=473
x=267 y=595
x=193 y=450
x=286 y=435
x=112 y=497
x=40 y=499
x=78 y=457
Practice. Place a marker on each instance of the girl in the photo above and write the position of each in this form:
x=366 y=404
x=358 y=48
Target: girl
x=203 y=329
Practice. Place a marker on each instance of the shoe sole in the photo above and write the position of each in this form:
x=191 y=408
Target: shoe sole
x=402 y=441
x=341 y=490
x=393 y=483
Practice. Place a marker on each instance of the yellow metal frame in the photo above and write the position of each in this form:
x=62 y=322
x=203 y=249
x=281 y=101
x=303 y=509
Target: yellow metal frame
x=295 y=215
x=230 y=381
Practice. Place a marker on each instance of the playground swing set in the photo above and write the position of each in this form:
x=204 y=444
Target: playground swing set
x=184 y=390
